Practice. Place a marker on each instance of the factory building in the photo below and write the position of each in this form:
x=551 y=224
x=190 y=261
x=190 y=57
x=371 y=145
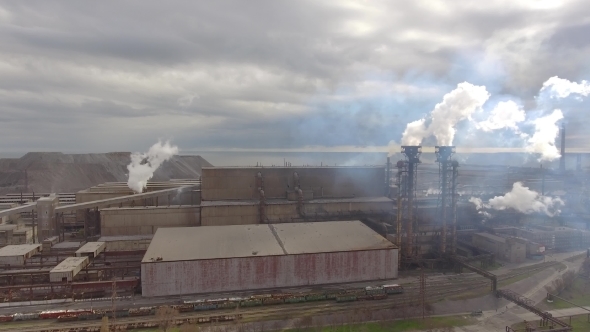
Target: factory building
x=258 y=195
x=18 y=254
x=146 y=220
x=126 y=242
x=68 y=269
x=510 y=249
x=91 y=249
x=212 y=259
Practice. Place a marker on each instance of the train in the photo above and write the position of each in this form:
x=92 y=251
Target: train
x=348 y=295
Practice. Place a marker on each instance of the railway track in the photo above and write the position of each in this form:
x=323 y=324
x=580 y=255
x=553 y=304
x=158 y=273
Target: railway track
x=279 y=311
x=437 y=288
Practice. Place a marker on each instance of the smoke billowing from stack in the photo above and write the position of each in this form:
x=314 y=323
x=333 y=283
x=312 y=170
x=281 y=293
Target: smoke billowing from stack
x=456 y=106
x=522 y=199
x=143 y=165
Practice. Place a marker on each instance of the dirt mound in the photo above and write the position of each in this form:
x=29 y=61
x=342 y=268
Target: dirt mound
x=58 y=172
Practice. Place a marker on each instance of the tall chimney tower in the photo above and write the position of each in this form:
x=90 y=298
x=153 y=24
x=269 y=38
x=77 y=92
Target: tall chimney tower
x=562 y=159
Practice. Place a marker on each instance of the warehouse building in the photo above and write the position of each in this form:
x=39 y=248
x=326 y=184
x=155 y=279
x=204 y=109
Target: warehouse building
x=18 y=254
x=91 y=249
x=68 y=269
x=511 y=249
x=246 y=257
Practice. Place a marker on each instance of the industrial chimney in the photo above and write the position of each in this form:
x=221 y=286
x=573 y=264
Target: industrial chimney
x=562 y=159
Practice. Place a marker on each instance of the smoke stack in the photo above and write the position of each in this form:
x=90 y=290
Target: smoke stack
x=562 y=158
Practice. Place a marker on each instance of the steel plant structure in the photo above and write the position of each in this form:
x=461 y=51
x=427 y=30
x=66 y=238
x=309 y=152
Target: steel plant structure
x=406 y=180
x=447 y=197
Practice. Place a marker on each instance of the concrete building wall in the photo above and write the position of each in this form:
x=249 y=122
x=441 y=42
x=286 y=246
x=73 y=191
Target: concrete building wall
x=324 y=182
x=249 y=273
x=509 y=249
x=127 y=245
x=146 y=220
x=188 y=197
x=226 y=213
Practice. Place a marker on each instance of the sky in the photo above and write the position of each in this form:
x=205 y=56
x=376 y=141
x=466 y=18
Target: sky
x=272 y=75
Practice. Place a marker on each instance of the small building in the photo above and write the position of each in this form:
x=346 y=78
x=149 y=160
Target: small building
x=511 y=249
x=209 y=259
x=18 y=254
x=50 y=242
x=67 y=246
x=91 y=249
x=68 y=269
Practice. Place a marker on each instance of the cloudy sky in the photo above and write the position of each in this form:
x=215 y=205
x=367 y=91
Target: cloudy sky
x=216 y=75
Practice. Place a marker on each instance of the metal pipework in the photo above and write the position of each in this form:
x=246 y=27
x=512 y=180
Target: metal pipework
x=443 y=157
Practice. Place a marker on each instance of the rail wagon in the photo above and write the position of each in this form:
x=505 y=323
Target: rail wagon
x=6 y=318
x=251 y=303
x=51 y=314
x=315 y=297
x=28 y=316
x=393 y=289
x=346 y=298
x=117 y=313
x=273 y=300
x=295 y=299
x=93 y=316
x=67 y=318
x=374 y=290
x=228 y=305
x=185 y=308
x=204 y=306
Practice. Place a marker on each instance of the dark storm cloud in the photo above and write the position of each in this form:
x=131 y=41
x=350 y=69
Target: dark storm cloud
x=96 y=76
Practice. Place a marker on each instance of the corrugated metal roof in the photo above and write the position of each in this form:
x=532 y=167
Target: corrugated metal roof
x=213 y=242
x=300 y=238
x=69 y=264
x=18 y=250
x=209 y=242
x=90 y=247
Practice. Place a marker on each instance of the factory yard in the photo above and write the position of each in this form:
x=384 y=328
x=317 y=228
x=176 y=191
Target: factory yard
x=438 y=288
x=275 y=247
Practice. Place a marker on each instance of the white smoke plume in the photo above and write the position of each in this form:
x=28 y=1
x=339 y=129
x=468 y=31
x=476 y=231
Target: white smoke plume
x=456 y=106
x=507 y=114
x=522 y=199
x=543 y=140
x=143 y=165
x=562 y=88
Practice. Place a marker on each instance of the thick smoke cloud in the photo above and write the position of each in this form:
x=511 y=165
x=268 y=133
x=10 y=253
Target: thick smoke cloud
x=456 y=106
x=468 y=99
x=521 y=199
x=543 y=140
x=143 y=165
x=507 y=114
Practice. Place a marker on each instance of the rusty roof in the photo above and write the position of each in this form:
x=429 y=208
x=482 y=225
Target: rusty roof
x=218 y=242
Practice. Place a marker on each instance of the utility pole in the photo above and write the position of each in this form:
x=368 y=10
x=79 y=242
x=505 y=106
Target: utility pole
x=113 y=303
x=423 y=293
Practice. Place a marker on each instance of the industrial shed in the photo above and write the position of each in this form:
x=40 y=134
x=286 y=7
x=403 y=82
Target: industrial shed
x=91 y=249
x=18 y=254
x=68 y=269
x=191 y=260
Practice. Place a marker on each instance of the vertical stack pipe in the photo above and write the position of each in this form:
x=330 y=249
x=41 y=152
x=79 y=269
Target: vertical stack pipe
x=412 y=154
x=443 y=157
x=454 y=208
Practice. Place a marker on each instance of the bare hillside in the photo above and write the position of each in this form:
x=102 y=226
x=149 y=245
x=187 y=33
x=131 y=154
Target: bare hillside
x=58 y=172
